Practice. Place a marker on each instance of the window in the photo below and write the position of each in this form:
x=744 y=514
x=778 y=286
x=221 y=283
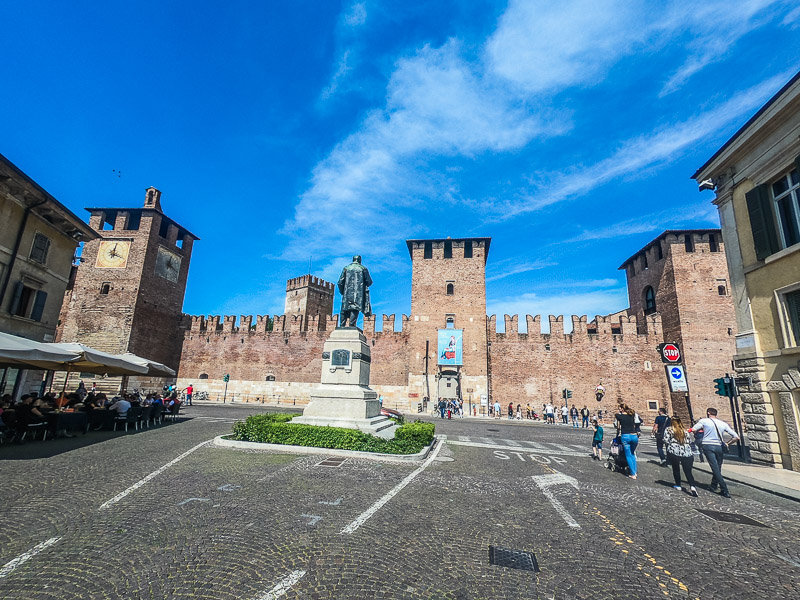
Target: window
x=270 y=378
x=791 y=325
x=712 y=243
x=41 y=245
x=450 y=321
x=468 y=249
x=448 y=249
x=652 y=405
x=134 y=220
x=28 y=302
x=785 y=198
x=644 y=260
x=450 y=289
x=659 y=251
x=105 y=288
x=203 y=376
x=428 y=250
x=649 y=300
x=722 y=290
x=688 y=243
x=164 y=228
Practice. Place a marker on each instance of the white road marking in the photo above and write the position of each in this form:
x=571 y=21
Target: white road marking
x=463 y=438
x=283 y=586
x=535 y=445
x=511 y=443
x=336 y=502
x=312 y=519
x=26 y=556
x=194 y=500
x=545 y=482
x=560 y=447
x=794 y=563
x=228 y=487
x=147 y=478
x=363 y=517
x=543 y=450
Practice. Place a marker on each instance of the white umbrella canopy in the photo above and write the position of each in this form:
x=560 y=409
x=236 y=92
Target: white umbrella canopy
x=155 y=369
x=15 y=350
x=90 y=360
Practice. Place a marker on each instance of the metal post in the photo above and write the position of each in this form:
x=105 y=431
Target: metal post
x=737 y=421
x=225 y=395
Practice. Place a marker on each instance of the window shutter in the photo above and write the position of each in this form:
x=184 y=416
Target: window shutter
x=793 y=306
x=762 y=223
x=38 y=305
x=15 y=299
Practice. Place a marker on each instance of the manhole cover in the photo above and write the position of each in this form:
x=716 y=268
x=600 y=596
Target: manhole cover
x=331 y=462
x=731 y=518
x=492 y=430
x=513 y=559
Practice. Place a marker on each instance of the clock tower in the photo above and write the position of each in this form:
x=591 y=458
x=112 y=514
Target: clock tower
x=126 y=291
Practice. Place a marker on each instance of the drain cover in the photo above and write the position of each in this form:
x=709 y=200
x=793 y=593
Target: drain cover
x=731 y=518
x=331 y=462
x=492 y=429
x=513 y=559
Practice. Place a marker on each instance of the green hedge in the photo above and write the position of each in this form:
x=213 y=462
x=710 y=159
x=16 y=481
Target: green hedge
x=276 y=429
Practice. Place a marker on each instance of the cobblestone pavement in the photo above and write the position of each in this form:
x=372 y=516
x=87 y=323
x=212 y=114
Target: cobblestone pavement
x=224 y=524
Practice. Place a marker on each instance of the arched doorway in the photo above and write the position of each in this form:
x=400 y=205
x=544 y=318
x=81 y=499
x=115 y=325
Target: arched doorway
x=449 y=384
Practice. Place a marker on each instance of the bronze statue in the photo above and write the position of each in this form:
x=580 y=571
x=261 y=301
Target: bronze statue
x=354 y=285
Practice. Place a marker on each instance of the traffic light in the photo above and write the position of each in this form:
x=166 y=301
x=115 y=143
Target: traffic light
x=569 y=394
x=226 y=378
x=564 y=393
x=720 y=387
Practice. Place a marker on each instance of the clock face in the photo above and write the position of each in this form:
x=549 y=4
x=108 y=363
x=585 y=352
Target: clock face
x=113 y=254
x=168 y=264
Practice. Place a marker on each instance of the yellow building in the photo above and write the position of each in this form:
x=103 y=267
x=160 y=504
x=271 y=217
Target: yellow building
x=755 y=176
x=38 y=238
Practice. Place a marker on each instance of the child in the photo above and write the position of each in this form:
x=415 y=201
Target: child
x=597 y=440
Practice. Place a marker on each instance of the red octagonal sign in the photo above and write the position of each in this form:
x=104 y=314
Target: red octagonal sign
x=671 y=353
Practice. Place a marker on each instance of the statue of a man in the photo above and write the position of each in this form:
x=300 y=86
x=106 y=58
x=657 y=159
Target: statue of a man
x=354 y=285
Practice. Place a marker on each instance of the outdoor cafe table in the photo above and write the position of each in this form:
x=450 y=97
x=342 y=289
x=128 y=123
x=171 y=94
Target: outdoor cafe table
x=65 y=421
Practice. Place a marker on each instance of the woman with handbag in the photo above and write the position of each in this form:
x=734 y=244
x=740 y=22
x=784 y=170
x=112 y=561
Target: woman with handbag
x=678 y=443
x=626 y=431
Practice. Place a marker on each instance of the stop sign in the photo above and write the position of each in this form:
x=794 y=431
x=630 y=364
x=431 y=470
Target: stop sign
x=671 y=353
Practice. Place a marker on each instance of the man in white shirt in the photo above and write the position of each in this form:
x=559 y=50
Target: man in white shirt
x=713 y=432
x=121 y=407
x=549 y=413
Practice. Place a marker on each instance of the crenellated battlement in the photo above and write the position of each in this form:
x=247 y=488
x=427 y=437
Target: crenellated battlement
x=610 y=325
x=310 y=281
x=196 y=324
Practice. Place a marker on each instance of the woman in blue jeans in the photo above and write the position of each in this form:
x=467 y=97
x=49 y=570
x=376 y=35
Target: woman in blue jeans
x=626 y=430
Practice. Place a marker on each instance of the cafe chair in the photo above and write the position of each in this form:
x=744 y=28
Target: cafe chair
x=33 y=428
x=144 y=416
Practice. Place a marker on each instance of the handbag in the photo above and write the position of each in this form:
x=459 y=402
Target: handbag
x=719 y=435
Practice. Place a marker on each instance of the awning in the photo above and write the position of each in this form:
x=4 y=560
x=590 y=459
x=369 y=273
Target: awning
x=21 y=352
x=155 y=369
x=89 y=360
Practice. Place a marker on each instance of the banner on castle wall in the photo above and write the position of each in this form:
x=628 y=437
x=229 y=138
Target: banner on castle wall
x=450 y=346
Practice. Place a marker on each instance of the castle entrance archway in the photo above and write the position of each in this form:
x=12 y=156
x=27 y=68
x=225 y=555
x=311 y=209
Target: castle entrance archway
x=449 y=386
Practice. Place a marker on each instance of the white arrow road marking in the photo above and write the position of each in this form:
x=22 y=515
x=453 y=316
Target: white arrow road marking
x=26 y=556
x=312 y=519
x=336 y=502
x=194 y=500
x=283 y=586
x=546 y=481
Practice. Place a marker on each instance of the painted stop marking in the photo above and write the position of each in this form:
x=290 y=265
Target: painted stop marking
x=671 y=353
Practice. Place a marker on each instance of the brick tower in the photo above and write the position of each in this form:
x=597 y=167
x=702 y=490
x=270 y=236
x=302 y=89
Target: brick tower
x=127 y=293
x=448 y=291
x=308 y=296
x=683 y=276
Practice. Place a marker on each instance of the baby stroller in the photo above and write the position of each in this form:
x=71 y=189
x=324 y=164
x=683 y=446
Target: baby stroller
x=616 y=460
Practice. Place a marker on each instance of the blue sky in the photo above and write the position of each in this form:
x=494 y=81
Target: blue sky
x=289 y=132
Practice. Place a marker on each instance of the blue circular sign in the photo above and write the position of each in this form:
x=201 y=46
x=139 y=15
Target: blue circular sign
x=676 y=373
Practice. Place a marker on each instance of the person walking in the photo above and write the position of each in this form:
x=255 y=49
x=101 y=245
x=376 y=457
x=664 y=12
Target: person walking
x=626 y=431
x=519 y=412
x=679 y=452
x=549 y=411
x=510 y=411
x=190 y=392
x=573 y=413
x=528 y=411
x=496 y=409
x=565 y=414
x=597 y=440
x=442 y=407
x=661 y=423
x=714 y=446
x=585 y=416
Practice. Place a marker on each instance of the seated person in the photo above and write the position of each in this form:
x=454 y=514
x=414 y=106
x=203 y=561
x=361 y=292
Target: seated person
x=27 y=414
x=121 y=407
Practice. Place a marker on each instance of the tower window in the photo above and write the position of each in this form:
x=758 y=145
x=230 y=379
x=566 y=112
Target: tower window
x=105 y=288
x=659 y=251
x=688 y=243
x=649 y=300
x=163 y=229
x=722 y=290
x=468 y=249
x=448 y=249
x=41 y=246
x=450 y=321
x=428 y=250
x=134 y=220
x=203 y=376
x=712 y=243
x=644 y=260
x=450 y=289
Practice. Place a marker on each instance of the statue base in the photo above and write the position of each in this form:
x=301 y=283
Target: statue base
x=344 y=398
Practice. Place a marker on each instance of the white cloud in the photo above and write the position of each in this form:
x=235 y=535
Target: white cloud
x=518 y=267
x=591 y=303
x=645 y=151
x=356 y=14
x=348 y=50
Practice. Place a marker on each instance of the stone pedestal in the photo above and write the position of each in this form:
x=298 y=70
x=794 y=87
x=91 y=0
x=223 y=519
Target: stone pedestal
x=344 y=398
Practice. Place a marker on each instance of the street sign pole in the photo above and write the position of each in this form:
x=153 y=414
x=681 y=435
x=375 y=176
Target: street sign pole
x=730 y=384
x=225 y=395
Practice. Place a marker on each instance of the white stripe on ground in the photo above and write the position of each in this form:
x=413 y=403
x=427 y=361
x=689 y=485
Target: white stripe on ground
x=535 y=445
x=560 y=447
x=283 y=586
x=555 y=478
x=26 y=556
x=516 y=448
x=511 y=443
x=560 y=508
x=147 y=478
x=363 y=517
